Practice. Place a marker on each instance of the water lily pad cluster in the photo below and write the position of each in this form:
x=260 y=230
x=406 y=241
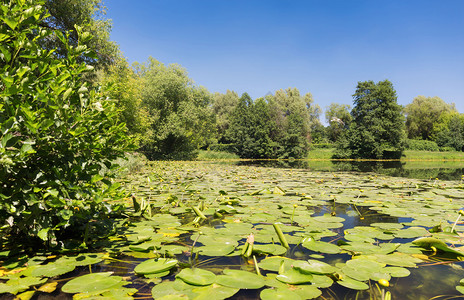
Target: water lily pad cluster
x=211 y=230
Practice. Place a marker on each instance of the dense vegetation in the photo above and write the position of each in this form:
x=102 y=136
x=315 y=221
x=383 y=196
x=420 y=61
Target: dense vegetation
x=59 y=135
x=71 y=105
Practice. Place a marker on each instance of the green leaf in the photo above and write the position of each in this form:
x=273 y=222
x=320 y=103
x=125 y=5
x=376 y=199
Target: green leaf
x=67 y=93
x=92 y=283
x=275 y=294
x=197 y=276
x=240 y=279
x=155 y=265
x=43 y=234
x=10 y=22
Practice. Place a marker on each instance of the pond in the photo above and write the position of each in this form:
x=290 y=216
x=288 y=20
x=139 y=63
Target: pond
x=249 y=230
x=444 y=170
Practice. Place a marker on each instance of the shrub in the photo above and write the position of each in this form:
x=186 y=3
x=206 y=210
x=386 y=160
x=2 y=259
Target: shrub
x=421 y=145
x=56 y=133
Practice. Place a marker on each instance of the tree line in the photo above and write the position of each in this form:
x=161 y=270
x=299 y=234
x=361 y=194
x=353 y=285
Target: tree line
x=71 y=105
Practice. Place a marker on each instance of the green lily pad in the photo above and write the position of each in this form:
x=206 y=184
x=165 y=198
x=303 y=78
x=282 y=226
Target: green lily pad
x=396 y=271
x=273 y=249
x=272 y=263
x=294 y=276
x=92 y=283
x=197 y=276
x=215 y=250
x=240 y=279
x=16 y=285
x=52 y=269
x=275 y=294
x=319 y=246
x=155 y=266
x=429 y=242
x=315 y=266
x=411 y=232
x=214 y=292
x=173 y=288
x=353 y=284
x=83 y=259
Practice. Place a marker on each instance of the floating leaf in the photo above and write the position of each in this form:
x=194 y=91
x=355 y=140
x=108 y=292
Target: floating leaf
x=240 y=279
x=319 y=246
x=155 y=265
x=294 y=276
x=92 y=283
x=353 y=284
x=197 y=276
x=274 y=294
x=315 y=266
x=214 y=292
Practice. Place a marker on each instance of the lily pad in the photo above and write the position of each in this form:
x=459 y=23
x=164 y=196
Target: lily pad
x=155 y=266
x=92 y=283
x=322 y=247
x=294 y=276
x=275 y=294
x=197 y=276
x=240 y=279
x=214 y=292
x=315 y=266
x=353 y=284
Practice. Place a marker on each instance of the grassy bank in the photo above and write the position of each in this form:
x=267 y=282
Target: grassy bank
x=326 y=154
x=408 y=155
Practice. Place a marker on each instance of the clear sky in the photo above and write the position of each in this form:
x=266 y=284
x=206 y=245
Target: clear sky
x=319 y=46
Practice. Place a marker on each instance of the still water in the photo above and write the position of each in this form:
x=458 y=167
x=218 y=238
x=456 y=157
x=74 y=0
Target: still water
x=443 y=170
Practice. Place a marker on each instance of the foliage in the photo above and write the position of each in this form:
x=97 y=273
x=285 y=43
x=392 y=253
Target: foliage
x=449 y=131
x=56 y=133
x=377 y=129
x=339 y=118
x=422 y=114
x=250 y=128
x=122 y=84
x=421 y=145
x=89 y=15
x=180 y=118
x=277 y=126
x=223 y=106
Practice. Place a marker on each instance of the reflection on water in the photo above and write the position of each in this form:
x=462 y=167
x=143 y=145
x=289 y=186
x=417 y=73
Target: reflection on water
x=443 y=170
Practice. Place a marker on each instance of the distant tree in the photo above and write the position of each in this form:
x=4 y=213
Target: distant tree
x=422 y=114
x=377 y=125
x=223 y=106
x=180 y=117
x=123 y=85
x=339 y=118
x=89 y=15
x=293 y=116
x=449 y=130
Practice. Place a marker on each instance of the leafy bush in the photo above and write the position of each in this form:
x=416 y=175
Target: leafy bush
x=447 y=149
x=421 y=145
x=56 y=132
x=322 y=145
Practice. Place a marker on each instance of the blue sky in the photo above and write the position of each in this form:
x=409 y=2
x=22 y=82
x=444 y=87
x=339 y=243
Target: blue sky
x=319 y=46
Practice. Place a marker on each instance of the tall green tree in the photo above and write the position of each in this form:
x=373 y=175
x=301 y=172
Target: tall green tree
x=123 y=85
x=58 y=138
x=339 y=118
x=223 y=106
x=89 y=15
x=449 y=130
x=181 y=119
x=422 y=114
x=377 y=128
x=294 y=115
